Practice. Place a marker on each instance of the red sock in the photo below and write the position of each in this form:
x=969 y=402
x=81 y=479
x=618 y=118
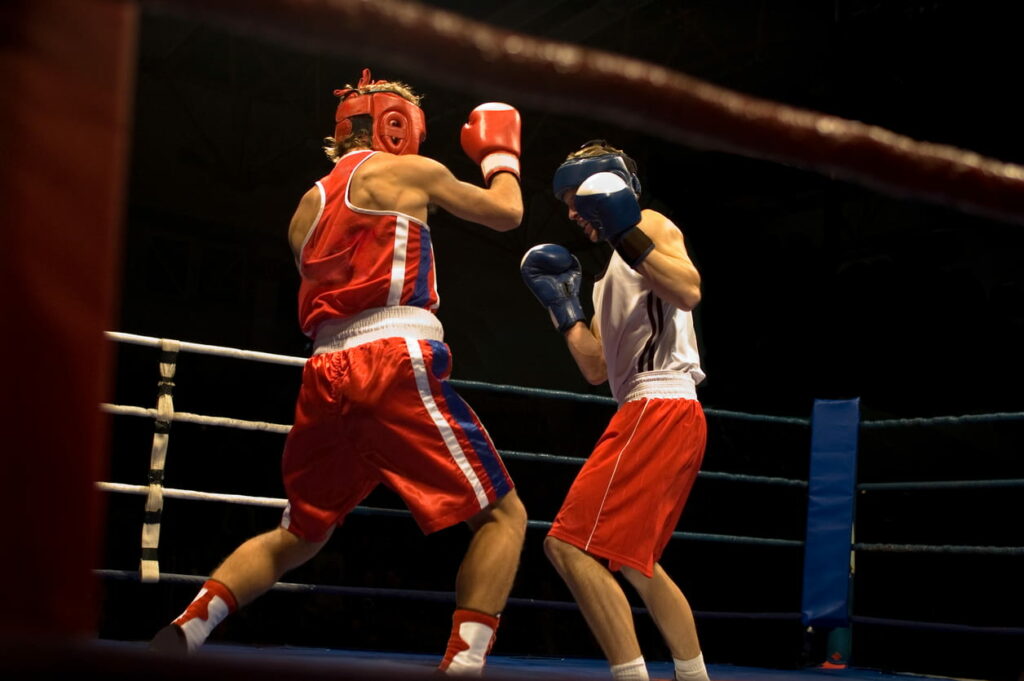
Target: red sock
x=471 y=640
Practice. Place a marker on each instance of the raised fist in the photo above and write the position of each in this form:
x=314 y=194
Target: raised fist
x=491 y=138
x=553 y=274
x=609 y=205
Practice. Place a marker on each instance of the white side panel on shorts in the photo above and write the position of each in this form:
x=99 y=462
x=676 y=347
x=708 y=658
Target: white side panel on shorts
x=419 y=368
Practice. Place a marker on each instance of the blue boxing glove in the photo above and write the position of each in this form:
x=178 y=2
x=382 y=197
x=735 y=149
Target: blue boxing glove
x=609 y=205
x=554 y=275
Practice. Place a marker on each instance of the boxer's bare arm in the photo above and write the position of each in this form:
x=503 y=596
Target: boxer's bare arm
x=585 y=346
x=302 y=219
x=668 y=267
x=408 y=184
x=499 y=206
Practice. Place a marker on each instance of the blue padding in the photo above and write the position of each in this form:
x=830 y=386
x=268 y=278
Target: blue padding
x=826 y=592
x=572 y=173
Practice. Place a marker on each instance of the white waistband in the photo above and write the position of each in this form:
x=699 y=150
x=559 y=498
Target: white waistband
x=660 y=384
x=401 y=321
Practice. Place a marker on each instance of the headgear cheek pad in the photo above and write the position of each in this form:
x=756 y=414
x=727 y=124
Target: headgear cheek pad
x=573 y=172
x=399 y=126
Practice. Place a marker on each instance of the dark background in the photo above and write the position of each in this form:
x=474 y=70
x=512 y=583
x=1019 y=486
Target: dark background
x=813 y=288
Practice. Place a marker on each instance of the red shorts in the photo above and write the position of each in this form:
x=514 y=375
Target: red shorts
x=383 y=412
x=627 y=499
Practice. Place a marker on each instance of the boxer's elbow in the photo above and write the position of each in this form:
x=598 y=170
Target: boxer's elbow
x=689 y=298
x=509 y=219
x=595 y=373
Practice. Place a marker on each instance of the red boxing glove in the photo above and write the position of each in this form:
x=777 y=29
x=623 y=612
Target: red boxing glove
x=491 y=138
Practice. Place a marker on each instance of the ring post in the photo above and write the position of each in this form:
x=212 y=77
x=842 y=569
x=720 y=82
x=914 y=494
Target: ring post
x=828 y=549
x=65 y=129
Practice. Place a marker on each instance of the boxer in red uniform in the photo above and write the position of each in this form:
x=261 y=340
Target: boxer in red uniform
x=624 y=505
x=375 y=406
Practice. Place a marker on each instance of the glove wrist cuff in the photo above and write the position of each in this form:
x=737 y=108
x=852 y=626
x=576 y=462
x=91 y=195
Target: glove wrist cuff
x=497 y=162
x=633 y=246
x=566 y=313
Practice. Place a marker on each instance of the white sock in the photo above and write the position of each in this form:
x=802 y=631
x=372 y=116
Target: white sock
x=691 y=670
x=470 y=662
x=201 y=617
x=634 y=670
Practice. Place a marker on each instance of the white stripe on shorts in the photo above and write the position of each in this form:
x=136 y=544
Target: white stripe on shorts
x=419 y=368
x=611 y=480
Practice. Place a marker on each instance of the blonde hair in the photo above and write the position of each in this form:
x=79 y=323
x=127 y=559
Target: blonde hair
x=601 y=148
x=362 y=126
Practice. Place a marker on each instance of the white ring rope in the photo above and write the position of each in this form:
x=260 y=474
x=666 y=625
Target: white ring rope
x=186 y=417
x=209 y=349
x=149 y=567
x=170 y=493
x=165 y=415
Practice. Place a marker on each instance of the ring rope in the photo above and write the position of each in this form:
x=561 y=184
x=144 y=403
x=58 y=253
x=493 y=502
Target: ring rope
x=281 y=428
x=556 y=76
x=945 y=548
x=711 y=475
x=743 y=477
x=290 y=360
x=428 y=595
x=171 y=493
x=164 y=416
x=533 y=392
x=996 y=417
x=201 y=349
x=186 y=417
x=541 y=524
x=601 y=399
x=850 y=150
x=278 y=428
x=295 y=587
x=939 y=626
x=762 y=418
x=404 y=513
x=943 y=484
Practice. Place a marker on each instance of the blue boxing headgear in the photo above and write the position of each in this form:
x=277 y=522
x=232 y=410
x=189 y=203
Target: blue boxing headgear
x=573 y=172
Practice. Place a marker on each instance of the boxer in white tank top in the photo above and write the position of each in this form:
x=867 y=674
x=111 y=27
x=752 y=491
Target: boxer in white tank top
x=649 y=346
x=626 y=501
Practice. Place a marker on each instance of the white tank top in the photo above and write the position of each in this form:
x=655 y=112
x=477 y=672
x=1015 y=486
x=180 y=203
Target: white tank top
x=650 y=346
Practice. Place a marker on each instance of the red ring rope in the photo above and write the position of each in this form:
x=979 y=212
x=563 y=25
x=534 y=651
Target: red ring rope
x=561 y=77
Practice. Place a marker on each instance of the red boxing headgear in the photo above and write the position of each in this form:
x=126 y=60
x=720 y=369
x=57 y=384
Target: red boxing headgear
x=398 y=125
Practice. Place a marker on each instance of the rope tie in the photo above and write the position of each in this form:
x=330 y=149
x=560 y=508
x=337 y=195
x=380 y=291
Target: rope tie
x=149 y=565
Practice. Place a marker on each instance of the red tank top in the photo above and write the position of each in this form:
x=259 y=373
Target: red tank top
x=355 y=259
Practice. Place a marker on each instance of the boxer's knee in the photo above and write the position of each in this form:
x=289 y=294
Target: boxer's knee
x=288 y=550
x=508 y=514
x=559 y=552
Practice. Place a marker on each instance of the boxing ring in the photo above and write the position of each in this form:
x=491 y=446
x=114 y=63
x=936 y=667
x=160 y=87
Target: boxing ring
x=830 y=426
x=50 y=593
